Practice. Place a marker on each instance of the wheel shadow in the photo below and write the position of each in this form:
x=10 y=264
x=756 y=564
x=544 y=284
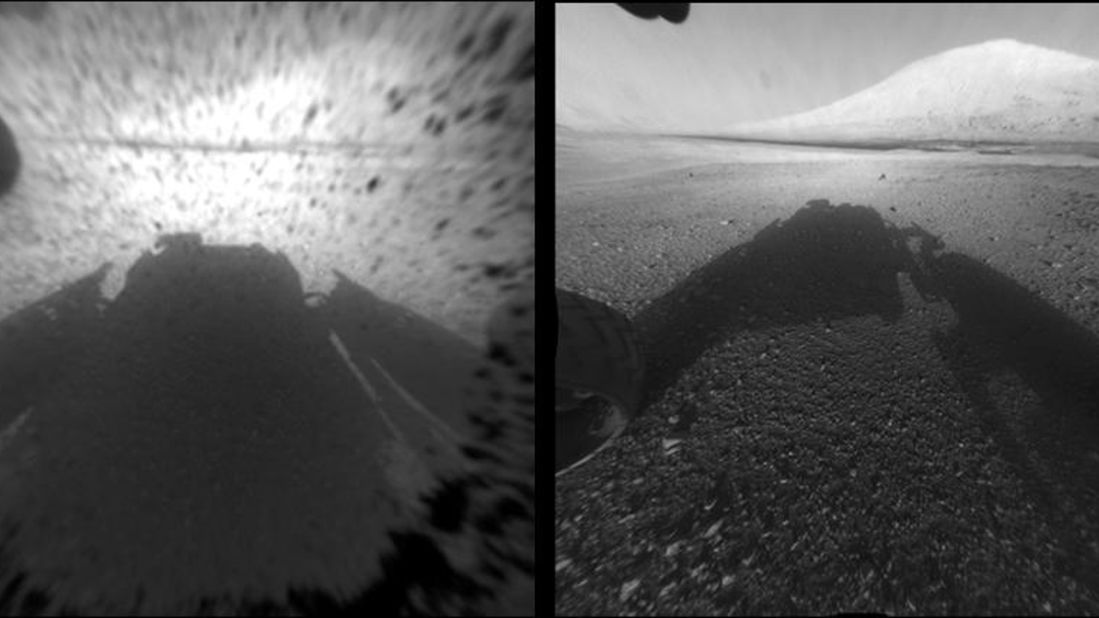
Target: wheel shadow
x=1053 y=447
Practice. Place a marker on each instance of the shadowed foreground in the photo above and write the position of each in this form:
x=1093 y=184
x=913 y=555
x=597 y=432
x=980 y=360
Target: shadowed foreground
x=845 y=416
x=199 y=445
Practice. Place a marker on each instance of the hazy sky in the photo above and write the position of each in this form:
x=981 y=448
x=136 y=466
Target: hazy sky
x=742 y=62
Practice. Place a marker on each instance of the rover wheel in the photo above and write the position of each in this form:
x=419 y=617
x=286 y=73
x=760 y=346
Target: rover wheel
x=598 y=383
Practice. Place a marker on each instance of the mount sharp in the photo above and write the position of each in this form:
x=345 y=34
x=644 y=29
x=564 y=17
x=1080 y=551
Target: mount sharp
x=1000 y=90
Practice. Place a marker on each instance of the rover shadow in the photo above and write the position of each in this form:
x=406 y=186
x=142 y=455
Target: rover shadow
x=207 y=408
x=826 y=262
x=37 y=341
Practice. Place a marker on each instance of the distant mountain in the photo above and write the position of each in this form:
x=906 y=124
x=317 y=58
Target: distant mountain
x=1001 y=90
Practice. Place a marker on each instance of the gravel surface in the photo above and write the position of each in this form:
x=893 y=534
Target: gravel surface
x=830 y=429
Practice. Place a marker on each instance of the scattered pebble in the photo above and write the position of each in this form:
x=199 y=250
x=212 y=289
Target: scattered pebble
x=628 y=589
x=712 y=530
x=562 y=565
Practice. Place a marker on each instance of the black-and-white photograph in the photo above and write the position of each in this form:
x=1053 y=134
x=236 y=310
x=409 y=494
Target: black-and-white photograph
x=827 y=285
x=266 y=308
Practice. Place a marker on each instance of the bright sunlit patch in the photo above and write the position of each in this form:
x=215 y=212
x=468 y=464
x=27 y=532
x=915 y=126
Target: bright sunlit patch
x=299 y=153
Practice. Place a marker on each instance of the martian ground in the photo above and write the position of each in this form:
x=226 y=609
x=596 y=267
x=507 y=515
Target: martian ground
x=872 y=353
x=820 y=436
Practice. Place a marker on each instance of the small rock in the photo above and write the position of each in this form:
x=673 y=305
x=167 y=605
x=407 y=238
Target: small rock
x=673 y=549
x=628 y=589
x=562 y=565
x=726 y=581
x=595 y=243
x=712 y=530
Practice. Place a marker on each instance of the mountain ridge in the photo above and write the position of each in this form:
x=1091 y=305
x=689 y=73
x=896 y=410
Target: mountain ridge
x=996 y=90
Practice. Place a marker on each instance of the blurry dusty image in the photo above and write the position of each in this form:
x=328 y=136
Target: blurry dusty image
x=266 y=308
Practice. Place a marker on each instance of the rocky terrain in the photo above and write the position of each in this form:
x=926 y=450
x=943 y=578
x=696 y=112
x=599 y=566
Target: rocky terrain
x=830 y=428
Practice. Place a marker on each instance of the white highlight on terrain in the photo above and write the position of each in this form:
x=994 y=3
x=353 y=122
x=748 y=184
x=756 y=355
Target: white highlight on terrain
x=365 y=384
x=402 y=465
x=9 y=433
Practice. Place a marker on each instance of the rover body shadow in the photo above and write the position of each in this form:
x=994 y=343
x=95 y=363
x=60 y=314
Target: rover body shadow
x=208 y=395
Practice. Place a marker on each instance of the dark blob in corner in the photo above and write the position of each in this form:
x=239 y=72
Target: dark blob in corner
x=674 y=12
x=9 y=159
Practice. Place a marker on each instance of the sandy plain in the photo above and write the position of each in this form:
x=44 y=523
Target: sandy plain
x=835 y=420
